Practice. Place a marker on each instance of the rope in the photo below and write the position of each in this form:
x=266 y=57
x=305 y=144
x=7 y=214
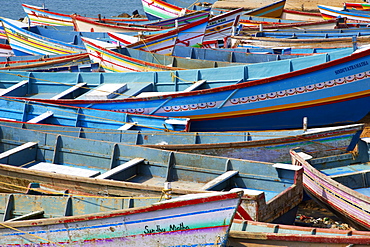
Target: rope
x=33 y=235
x=77 y=195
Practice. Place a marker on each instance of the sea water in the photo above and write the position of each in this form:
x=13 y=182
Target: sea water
x=90 y=8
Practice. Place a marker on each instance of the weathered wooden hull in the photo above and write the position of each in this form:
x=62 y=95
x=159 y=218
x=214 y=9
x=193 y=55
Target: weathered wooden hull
x=199 y=220
x=277 y=150
x=187 y=139
x=347 y=203
x=122 y=170
x=248 y=233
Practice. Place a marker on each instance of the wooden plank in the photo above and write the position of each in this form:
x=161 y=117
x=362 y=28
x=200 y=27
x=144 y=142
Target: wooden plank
x=127 y=126
x=41 y=117
x=62 y=169
x=17 y=149
x=120 y=168
x=177 y=121
x=12 y=88
x=220 y=179
x=106 y=91
x=69 y=90
x=195 y=86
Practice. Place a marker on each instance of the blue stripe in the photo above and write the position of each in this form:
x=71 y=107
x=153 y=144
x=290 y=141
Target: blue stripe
x=119 y=224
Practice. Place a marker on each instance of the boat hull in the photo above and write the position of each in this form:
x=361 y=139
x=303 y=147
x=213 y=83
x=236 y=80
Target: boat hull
x=202 y=221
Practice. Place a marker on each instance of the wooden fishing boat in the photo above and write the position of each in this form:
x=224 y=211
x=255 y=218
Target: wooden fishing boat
x=36 y=63
x=280 y=101
x=268 y=146
x=164 y=42
x=277 y=150
x=314 y=34
x=223 y=25
x=228 y=55
x=125 y=59
x=157 y=9
x=250 y=233
x=41 y=16
x=200 y=219
x=84 y=24
x=112 y=168
x=343 y=42
x=33 y=112
x=42 y=41
x=242 y=233
x=339 y=183
x=258 y=25
x=219 y=27
x=329 y=12
x=236 y=55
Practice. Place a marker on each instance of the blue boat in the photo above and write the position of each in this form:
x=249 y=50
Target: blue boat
x=196 y=220
x=272 y=95
x=36 y=112
x=116 y=169
x=268 y=146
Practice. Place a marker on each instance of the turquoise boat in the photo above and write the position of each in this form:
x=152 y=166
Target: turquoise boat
x=193 y=220
x=262 y=96
x=268 y=146
x=116 y=169
x=37 y=112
